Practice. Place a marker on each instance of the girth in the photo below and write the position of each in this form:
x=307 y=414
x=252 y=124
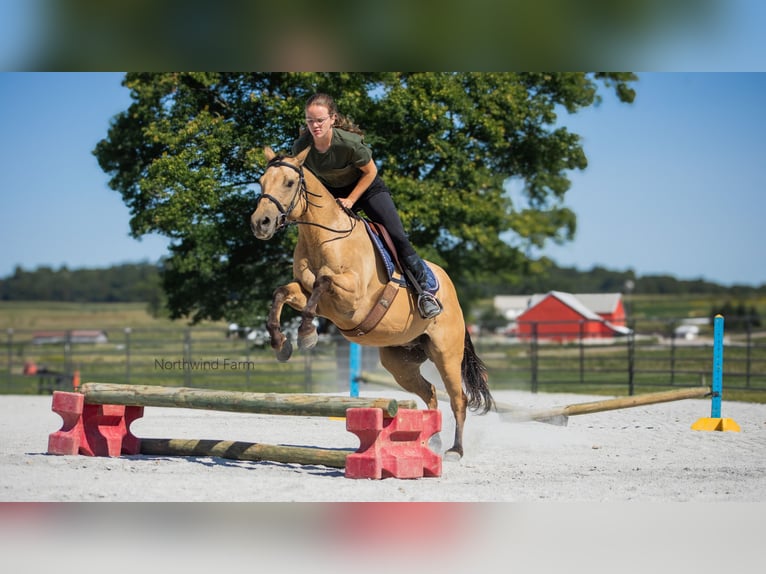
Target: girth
x=376 y=313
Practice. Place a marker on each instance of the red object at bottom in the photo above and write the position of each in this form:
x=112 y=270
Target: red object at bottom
x=395 y=447
x=93 y=430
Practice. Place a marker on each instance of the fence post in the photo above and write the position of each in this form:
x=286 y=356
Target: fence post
x=187 y=358
x=582 y=351
x=748 y=356
x=68 y=352
x=533 y=357
x=127 y=355
x=9 y=334
x=631 y=356
x=672 y=356
x=247 y=358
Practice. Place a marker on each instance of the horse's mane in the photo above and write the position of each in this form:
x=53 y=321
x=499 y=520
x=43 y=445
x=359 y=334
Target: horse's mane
x=277 y=158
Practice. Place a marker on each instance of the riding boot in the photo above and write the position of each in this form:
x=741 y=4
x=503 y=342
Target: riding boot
x=428 y=305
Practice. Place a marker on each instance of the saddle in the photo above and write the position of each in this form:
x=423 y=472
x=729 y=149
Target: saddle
x=385 y=248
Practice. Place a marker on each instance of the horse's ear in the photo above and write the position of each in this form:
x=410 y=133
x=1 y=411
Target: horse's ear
x=301 y=157
x=269 y=153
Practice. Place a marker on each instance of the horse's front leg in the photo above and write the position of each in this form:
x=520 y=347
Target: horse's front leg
x=307 y=332
x=290 y=294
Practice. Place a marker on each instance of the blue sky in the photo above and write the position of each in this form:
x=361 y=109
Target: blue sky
x=676 y=181
x=56 y=206
x=675 y=184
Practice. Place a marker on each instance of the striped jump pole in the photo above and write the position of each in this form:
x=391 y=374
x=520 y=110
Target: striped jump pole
x=714 y=422
x=238 y=450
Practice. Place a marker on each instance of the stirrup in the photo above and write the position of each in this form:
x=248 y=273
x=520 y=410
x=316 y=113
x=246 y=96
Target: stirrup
x=428 y=305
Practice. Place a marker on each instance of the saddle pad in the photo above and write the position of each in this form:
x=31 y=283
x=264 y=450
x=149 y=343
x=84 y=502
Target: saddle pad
x=388 y=261
x=433 y=283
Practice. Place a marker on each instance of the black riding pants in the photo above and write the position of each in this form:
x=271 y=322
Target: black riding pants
x=378 y=205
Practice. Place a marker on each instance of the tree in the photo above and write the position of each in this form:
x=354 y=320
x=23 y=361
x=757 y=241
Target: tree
x=187 y=154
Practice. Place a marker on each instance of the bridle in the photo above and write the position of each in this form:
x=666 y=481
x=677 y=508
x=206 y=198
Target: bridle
x=284 y=213
x=301 y=191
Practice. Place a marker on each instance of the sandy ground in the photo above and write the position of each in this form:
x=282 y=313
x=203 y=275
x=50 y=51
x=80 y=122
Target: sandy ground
x=646 y=453
x=632 y=490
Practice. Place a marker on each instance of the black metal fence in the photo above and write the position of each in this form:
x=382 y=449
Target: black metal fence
x=652 y=355
x=192 y=357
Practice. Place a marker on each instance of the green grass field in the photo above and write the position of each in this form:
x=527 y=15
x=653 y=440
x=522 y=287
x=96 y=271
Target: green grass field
x=41 y=315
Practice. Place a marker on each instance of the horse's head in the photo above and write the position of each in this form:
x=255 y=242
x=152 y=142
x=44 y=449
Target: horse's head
x=281 y=186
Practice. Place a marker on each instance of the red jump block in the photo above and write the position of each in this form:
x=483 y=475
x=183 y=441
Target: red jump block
x=395 y=447
x=93 y=430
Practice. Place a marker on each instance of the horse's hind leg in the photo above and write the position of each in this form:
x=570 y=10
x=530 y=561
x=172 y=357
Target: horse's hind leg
x=404 y=364
x=449 y=367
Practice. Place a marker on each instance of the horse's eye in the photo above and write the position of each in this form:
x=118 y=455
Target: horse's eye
x=290 y=183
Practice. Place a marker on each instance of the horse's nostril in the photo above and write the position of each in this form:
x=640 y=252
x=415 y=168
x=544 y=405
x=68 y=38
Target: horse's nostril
x=265 y=221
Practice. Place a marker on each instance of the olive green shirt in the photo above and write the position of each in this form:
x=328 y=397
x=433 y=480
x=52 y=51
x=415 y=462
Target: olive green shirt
x=339 y=165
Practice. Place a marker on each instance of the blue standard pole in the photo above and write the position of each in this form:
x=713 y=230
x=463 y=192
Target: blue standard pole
x=355 y=368
x=715 y=410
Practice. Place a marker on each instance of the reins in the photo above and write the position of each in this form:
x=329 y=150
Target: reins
x=302 y=189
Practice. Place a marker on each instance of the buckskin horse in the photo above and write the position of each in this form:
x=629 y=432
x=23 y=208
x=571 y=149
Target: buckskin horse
x=338 y=275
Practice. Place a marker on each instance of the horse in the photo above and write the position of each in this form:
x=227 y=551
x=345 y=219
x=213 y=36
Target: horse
x=338 y=275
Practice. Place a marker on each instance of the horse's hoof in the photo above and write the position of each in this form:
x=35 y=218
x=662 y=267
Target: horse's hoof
x=308 y=342
x=453 y=455
x=285 y=352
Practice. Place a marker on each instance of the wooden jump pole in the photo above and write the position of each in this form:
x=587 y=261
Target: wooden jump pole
x=562 y=413
x=236 y=450
x=263 y=403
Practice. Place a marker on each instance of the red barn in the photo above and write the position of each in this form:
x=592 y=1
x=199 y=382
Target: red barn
x=563 y=316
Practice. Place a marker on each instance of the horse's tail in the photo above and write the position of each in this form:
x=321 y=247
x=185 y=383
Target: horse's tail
x=475 y=378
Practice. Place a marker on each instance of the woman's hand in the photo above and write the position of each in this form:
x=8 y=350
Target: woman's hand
x=369 y=171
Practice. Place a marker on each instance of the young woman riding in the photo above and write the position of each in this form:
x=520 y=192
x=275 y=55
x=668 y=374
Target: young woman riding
x=343 y=163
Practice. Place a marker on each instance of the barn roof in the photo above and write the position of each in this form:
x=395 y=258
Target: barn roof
x=569 y=300
x=596 y=302
x=600 y=302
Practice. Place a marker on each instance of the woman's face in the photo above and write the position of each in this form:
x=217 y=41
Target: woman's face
x=319 y=120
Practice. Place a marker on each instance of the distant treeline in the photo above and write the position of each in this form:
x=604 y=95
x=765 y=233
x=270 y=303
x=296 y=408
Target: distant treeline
x=601 y=280
x=135 y=282
x=140 y=282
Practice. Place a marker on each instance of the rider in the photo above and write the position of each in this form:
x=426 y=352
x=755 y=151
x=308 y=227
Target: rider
x=343 y=163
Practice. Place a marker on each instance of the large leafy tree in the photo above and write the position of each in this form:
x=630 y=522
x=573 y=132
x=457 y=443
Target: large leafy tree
x=187 y=154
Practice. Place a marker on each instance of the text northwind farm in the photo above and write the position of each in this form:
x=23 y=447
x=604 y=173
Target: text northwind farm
x=209 y=365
